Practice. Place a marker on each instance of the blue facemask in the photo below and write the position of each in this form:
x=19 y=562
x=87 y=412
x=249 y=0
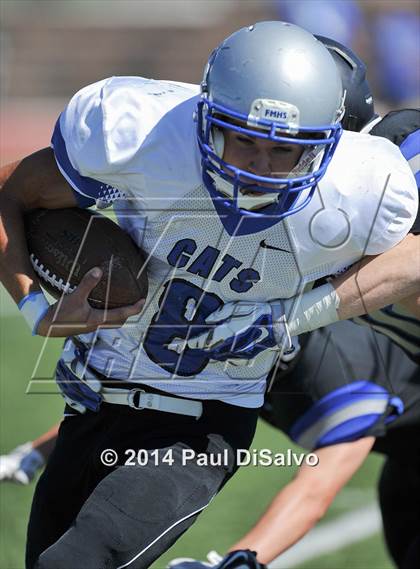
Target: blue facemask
x=285 y=196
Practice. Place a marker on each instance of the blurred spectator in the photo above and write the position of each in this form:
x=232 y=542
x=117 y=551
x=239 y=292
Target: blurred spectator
x=397 y=48
x=386 y=34
x=337 y=19
x=50 y=49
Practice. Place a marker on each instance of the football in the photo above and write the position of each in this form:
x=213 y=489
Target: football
x=65 y=243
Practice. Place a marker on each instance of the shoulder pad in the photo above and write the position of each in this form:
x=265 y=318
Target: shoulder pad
x=397 y=125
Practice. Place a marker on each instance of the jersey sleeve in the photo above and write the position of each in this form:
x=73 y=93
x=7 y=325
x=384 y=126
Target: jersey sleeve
x=410 y=149
x=339 y=389
x=94 y=138
x=394 y=200
x=402 y=127
x=345 y=413
x=348 y=413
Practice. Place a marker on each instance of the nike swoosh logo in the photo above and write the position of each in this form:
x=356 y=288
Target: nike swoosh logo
x=266 y=246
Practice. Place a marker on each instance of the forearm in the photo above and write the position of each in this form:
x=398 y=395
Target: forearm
x=16 y=272
x=305 y=500
x=6 y=171
x=368 y=285
x=378 y=281
x=412 y=304
x=46 y=442
x=293 y=512
x=33 y=182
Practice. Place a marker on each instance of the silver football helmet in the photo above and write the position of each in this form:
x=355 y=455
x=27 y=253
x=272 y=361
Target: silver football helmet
x=275 y=81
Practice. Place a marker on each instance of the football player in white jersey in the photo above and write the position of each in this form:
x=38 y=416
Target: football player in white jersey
x=349 y=391
x=239 y=210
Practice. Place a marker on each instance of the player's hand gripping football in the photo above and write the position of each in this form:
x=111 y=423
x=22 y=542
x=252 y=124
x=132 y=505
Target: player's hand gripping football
x=72 y=314
x=241 y=330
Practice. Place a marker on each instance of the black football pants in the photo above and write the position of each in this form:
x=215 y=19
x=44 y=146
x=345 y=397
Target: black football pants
x=89 y=516
x=399 y=495
x=333 y=357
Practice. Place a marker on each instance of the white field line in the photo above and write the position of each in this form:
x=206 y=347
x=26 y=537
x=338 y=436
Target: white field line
x=328 y=537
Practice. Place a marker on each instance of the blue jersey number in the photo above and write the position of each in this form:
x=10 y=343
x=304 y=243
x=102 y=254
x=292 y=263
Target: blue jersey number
x=183 y=308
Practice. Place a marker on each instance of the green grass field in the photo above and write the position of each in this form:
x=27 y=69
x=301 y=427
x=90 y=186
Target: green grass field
x=24 y=416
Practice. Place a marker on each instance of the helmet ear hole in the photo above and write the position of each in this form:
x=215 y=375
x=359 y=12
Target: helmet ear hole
x=218 y=141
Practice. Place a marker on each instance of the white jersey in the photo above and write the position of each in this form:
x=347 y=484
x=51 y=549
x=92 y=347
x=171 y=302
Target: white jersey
x=134 y=137
x=395 y=321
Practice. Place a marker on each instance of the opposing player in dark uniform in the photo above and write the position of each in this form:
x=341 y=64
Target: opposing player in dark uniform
x=351 y=390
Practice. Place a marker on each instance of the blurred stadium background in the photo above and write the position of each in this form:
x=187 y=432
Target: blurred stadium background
x=48 y=50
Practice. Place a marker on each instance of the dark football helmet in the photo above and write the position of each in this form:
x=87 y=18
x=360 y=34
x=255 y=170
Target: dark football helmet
x=359 y=106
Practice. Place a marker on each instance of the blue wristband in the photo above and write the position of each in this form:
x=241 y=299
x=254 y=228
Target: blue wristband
x=33 y=307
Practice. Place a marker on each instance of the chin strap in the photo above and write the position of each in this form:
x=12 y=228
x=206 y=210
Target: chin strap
x=310 y=159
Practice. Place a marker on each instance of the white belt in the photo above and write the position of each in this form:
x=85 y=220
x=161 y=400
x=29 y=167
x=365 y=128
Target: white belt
x=152 y=401
x=140 y=399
